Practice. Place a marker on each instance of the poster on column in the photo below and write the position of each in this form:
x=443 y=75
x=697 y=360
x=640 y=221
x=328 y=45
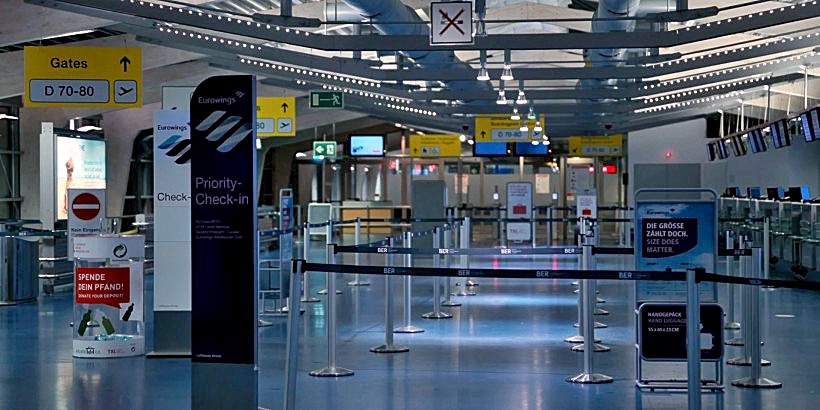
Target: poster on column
x=172 y=210
x=223 y=220
x=676 y=235
x=285 y=240
x=519 y=206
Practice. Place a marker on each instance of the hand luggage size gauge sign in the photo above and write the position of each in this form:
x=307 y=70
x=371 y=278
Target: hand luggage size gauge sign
x=83 y=77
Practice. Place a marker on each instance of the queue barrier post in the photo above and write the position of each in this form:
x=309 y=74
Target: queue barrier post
x=742 y=271
x=693 y=382
x=586 y=240
x=731 y=324
x=357 y=240
x=756 y=379
x=388 y=346
x=751 y=313
x=408 y=293
x=331 y=370
x=448 y=237
x=292 y=343
x=437 y=313
x=588 y=376
x=329 y=241
x=306 y=297
x=469 y=284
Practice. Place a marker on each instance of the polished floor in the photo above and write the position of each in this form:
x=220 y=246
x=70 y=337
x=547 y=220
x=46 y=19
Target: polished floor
x=503 y=349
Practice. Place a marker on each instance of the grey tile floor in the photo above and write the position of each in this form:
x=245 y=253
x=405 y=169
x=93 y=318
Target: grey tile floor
x=503 y=349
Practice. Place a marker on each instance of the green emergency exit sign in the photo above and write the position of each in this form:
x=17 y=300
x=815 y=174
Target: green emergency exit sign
x=327 y=99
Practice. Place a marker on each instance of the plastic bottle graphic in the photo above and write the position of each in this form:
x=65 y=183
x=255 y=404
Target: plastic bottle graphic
x=84 y=323
x=127 y=314
x=109 y=327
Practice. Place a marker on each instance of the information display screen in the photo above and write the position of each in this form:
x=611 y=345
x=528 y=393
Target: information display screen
x=756 y=141
x=780 y=134
x=490 y=149
x=527 y=149
x=811 y=125
x=366 y=145
x=80 y=163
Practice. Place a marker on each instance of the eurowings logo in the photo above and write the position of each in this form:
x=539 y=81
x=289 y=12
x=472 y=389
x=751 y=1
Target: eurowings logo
x=178 y=147
x=230 y=124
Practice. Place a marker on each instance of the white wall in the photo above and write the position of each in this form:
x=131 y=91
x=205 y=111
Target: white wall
x=796 y=165
x=684 y=140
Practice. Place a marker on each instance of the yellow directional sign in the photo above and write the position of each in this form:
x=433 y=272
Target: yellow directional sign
x=60 y=76
x=435 y=145
x=501 y=128
x=597 y=146
x=276 y=116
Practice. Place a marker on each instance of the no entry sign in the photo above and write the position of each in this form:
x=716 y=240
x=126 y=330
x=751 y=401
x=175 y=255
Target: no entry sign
x=86 y=206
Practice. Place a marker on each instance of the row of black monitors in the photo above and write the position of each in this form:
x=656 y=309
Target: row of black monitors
x=793 y=194
x=780 y=132
x=503 y=149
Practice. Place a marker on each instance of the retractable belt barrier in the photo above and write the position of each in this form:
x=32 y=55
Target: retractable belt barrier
x=700 y=274
x=573 y=220
x=741 y=219
x=556 y=250
x=276 y=232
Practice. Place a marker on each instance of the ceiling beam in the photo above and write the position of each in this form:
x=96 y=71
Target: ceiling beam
x=245 y=27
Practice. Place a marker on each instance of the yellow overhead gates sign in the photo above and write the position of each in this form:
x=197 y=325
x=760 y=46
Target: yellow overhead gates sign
x=500 y=128
x=83 y=77
x=276 y=116
x=597 y=146
x=435 y=145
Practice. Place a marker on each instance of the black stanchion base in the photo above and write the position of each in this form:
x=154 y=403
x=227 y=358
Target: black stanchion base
x=358 y=283
x=310 y=299
x=450 y=303
x=390 y=349
x=324 y=292
x=600 y=312
x=590 y=378
x=332 y=372
x=732 y=326
x=263 y=323
x=757 y=383
x=598 y=348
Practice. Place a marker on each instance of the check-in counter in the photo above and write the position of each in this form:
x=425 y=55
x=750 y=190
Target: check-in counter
x=372 y=210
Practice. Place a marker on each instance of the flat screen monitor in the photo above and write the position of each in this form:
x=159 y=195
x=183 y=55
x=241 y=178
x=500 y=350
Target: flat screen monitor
x=780 y=134
x=739 y=145
x=732 y=192
x=805 y=193
x=795 y=195
x=773 y=193
x=365 y=145
x=721 y=150
x=756 y=141
x=80 y=164
x=710 y=151
x=527 y=149
x=490 y=149
x=753 y=192
x=811 y=125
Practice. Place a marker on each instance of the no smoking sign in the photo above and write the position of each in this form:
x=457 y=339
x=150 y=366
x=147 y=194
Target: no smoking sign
x=451 y=23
